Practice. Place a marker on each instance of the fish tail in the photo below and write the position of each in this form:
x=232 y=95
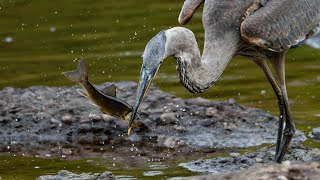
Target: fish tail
x=79 y=75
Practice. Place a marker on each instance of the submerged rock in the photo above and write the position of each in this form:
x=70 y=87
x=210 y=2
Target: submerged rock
x=152 y=173
x=66 y=175
x=315 y=133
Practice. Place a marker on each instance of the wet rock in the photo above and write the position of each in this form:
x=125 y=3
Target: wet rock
x=67 y=119
x=107 y=117
x=55 y=121
x=66 y=151
x=219 y=165
x=259 y=160
x=97 y=129
x=3 y=103
x=179 y=128
x=42 y=116
x=170 y=121
x=285 y=171
x=206 y=122
x=66 y=175
x=85 y=139
x=299 y=137
x=27 y=95
x=315 y=133
x=84 y=128
x=148 y=122
x=169 y=118
x=265 y=155
x=84 y=120
x=173 y=142
x=210 y=112
x=95 y=117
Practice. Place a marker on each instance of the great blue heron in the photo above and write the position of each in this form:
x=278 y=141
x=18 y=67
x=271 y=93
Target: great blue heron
x=258 y=29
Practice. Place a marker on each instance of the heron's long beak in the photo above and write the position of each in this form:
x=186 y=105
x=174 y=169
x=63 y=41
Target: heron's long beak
x=145 y=82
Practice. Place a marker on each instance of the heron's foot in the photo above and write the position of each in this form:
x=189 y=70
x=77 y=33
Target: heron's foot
x=289 y=131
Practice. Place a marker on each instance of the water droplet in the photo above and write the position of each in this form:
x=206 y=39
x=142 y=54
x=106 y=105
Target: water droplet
x=8 y=39
x=53 y=29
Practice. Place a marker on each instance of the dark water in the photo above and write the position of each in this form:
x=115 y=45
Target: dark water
x=40 y=39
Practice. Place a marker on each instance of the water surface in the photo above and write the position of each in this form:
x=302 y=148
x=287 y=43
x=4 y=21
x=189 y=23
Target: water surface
x=40 y=39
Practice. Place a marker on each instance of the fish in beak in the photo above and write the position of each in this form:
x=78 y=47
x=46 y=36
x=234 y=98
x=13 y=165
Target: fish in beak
x=106 y=98
x=152 y=58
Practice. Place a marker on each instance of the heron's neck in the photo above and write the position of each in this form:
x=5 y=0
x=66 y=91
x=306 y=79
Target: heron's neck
x=198 y=73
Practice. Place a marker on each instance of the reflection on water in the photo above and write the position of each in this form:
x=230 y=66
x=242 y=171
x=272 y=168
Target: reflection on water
x=152 y=173
x=40 y=39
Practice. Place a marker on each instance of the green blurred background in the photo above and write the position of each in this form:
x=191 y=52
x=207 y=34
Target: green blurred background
x=40 y=39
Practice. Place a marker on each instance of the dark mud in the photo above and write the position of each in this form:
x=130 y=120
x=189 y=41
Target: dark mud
x=36 y=118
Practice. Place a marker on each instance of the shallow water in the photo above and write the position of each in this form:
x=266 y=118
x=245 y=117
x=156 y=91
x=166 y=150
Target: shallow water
x=14 y=167
x=40 y=39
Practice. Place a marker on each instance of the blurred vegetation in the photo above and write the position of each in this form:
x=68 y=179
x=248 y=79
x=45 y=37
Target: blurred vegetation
x=40 y=39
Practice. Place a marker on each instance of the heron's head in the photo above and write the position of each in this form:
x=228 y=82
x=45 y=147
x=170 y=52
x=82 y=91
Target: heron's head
x=153 y=56
x=170 y=42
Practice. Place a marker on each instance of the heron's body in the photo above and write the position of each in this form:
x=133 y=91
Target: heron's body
x=258 y=29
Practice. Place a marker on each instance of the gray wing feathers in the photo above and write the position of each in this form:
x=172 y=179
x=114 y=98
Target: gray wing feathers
x=281 y=24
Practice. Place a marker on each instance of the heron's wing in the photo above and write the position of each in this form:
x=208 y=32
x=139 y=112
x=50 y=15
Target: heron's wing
x=314 y=41
x=281 y=24
x=188 y=9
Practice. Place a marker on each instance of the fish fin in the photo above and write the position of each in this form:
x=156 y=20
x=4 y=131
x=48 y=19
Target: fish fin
x=110 y=90
x=79 y=75
x=83 y=93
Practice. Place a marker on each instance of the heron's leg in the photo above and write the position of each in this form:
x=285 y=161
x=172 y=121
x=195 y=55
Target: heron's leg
x=278 y=63
x=275 y=85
